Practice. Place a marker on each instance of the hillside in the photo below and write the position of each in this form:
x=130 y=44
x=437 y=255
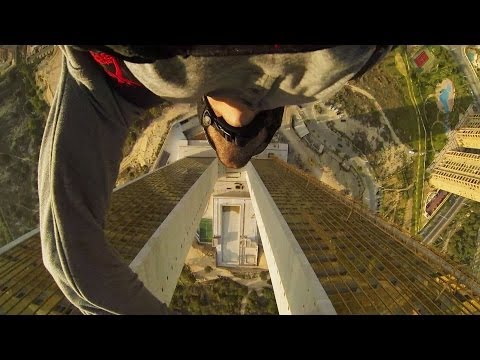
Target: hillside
x=26 y=92
x=22 y=119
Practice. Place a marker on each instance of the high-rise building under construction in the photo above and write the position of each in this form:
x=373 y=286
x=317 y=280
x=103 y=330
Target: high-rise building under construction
x=325 y=253
x=468 y=136
x=458 y=171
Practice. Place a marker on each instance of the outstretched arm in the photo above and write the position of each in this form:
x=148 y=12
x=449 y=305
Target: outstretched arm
x=79 y=162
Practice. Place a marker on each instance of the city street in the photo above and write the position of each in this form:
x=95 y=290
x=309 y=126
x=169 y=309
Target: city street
x=440 y=221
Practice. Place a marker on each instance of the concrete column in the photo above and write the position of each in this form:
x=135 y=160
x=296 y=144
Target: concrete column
x=161 y=260
x=295 y=284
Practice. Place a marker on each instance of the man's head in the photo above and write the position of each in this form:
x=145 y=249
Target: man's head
x=235 y=131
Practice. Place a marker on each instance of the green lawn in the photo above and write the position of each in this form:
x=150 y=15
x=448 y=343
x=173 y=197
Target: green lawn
x=438 y=136
x=206 y=230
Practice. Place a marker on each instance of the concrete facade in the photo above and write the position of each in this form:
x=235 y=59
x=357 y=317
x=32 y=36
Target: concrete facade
x=473 y=121
x=468 y=138
x=458 y=184
x=161 y=260
x=458 y=173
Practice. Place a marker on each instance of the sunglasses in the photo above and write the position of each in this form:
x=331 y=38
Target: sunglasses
x=239 y=136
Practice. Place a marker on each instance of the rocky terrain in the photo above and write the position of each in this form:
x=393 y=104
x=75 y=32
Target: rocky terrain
x=23 y=112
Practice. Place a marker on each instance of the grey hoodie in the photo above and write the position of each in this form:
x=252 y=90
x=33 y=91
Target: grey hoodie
x=82 y=149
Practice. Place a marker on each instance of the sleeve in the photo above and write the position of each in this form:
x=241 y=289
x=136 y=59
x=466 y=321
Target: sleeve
x=78 y=166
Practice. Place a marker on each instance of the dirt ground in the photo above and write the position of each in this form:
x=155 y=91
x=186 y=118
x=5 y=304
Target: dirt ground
x=197 y=260
x=146 y=149
x=388 y=156
x=337 y=178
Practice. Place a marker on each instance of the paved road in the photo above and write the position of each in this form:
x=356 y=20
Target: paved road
x=460 y=56
x=431 y=233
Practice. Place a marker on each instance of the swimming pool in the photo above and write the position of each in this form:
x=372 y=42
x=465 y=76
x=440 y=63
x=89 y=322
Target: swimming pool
x=444 y=94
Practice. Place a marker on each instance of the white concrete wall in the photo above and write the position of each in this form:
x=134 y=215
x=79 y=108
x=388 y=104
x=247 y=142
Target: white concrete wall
x=228 y=178
x=161 y=260
x=222 y=187
x=226 y=174
x=250 y=222
x=190 y=123
x=194 y=148
x=296 y=287
x=209 y=210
